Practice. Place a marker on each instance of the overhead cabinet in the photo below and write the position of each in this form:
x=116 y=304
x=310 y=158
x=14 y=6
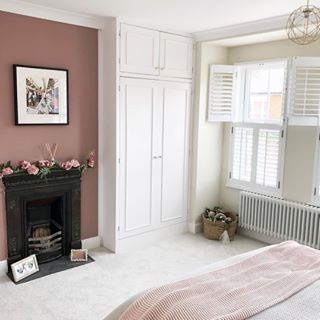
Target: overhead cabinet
x=154 y=140
x=139 y=51
x=151 y=52
x=175 y=56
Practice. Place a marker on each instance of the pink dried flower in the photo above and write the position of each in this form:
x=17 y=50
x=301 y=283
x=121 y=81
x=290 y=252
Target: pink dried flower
x=67 y=165
x=6 y=171
x=45 y=163
x=91 y=154
x=75 y=163
x=33 y=170
x=90 y=162
x=1 y=175
x=24 y=164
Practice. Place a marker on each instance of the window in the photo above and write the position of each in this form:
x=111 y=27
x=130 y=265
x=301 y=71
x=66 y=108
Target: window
x=254 y=93
x=257 y=138
x=261 y=99
x=265 y=93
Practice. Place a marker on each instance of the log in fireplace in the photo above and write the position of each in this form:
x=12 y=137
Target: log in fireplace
x=45 y=228
x=43 y=215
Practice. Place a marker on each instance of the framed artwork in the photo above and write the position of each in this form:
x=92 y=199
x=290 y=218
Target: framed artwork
x=24 y=268
x=79 y=255
x=41 y=95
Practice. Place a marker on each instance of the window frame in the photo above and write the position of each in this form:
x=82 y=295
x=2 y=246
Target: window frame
x=243 y=121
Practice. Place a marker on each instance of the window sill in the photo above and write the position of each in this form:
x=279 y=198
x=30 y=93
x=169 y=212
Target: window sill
x=256 y=189
x=315 y=201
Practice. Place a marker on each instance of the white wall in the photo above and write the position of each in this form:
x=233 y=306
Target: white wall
x=271 y=50
x=108 y=84
x=207 y=140
x=301 y=141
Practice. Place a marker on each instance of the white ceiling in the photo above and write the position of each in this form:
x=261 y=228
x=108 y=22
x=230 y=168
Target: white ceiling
x=180 y=15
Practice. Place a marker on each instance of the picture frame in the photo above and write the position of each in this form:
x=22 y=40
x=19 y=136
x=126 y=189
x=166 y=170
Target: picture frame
x=41 y=95
x=77 y=255
x=24 y=268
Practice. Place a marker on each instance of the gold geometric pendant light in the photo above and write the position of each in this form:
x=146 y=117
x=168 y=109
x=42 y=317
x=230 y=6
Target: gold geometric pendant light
x=303 y=26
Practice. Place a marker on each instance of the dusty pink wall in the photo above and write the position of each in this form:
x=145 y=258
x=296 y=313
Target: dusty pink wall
x=31 y=41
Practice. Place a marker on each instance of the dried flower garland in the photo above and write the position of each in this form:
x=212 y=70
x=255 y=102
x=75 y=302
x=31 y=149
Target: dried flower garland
x=43 y=167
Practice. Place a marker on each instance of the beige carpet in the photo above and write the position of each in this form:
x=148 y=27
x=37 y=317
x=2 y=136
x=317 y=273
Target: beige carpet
x=91 y=291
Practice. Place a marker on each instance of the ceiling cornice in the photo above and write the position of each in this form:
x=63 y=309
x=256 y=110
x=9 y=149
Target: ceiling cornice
x=96 y=22
x=42 y=12
x=242 y=29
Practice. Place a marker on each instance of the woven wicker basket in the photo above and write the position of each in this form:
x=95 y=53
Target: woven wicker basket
x=213 y=230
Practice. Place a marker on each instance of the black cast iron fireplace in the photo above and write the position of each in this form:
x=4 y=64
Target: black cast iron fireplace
x=43 y=215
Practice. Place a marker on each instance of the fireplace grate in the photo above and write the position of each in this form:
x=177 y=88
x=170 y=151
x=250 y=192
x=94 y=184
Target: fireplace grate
x=45 y=240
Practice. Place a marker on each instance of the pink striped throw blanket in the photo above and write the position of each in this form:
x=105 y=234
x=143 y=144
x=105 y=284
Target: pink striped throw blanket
x=235 y=292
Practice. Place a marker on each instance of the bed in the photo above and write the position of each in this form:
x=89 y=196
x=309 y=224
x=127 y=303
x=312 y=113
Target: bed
x=304 y=304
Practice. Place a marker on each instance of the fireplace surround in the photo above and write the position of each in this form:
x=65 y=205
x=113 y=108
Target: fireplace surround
x=43 y=215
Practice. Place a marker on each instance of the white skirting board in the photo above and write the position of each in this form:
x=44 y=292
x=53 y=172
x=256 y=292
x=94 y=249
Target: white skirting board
x=138 y=241
x=91 y=243
x=257 y=236
x=195 y=227
x=3 y=267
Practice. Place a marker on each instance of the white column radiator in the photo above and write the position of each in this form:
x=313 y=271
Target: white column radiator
x=281 y=219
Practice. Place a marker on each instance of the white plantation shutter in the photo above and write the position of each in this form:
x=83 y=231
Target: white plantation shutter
x=242 y=153
x=268 y=157
x=221 y=93
x=256 y=157
x=304 y=102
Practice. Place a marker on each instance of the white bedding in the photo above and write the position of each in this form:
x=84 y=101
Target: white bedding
x=305 y=305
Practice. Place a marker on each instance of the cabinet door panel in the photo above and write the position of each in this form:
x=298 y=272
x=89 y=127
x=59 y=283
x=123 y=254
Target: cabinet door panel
x=139 y=52
x=137 y=103
x=175 y=56
x=175 y=151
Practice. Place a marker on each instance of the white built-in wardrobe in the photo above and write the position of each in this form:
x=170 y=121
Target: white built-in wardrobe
x=154 y=109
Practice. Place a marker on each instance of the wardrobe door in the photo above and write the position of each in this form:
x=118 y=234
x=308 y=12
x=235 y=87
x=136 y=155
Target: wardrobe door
x=175 y=56
x=176 y=105
x=137 y=104
x=139 y=52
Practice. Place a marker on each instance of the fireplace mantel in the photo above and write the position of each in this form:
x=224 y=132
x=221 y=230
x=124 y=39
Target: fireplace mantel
x=21 y=189
x=24 y=179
